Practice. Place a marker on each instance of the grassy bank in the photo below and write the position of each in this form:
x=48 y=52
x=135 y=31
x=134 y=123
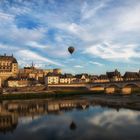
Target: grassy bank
x=55 y=94
x=24 y=96
x=52 y=94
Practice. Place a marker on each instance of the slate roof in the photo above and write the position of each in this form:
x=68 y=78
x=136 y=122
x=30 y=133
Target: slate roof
x=112 y=74
x=66 y=75
x=11 y=58
x=80 y=75
x=103 y=76
x=131 y=75
x=53 y=74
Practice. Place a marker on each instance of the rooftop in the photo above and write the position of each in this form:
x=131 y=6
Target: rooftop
x=6 y=57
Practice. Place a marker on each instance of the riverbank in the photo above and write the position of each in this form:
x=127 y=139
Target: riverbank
x=63 y=93
x=45 y=94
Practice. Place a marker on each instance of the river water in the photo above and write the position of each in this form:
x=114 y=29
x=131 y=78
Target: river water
x=71 y=119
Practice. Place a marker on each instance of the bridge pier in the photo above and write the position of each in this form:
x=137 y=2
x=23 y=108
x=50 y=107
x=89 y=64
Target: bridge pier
x=126 y=90
x=97 y=89
x=110 y=90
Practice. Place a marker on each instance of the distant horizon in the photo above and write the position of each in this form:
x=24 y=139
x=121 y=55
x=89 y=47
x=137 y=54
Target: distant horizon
x=104 y=33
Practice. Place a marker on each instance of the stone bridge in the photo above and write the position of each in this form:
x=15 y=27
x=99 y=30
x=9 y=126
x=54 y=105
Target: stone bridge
x=125 y=87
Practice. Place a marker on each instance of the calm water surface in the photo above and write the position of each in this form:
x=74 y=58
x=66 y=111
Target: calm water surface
x=66 y=119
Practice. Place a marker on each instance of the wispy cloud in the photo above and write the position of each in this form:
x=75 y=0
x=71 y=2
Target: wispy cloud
x=78 y=66
x=32 y=56
x=5 y=16
x=96 y=63
x=36 y=45
x=113 y=52
x=129 y=20
x=89 y=11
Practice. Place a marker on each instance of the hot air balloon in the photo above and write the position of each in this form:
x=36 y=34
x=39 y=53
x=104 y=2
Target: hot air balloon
x=71 y=49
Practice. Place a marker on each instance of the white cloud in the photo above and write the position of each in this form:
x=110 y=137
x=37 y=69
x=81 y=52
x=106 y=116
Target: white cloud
x=129 y=19
x=78 y=66
x=78 y=30
x=88 y=12
x=5 y=16
x=34 y=44
x=111 y=51
x=58 y=52
x=7 y=47
x=32 y=56
x=19 y=11
x=96 y=63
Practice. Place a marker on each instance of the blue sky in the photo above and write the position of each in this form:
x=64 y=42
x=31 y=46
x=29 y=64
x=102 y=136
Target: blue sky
x=105 y=34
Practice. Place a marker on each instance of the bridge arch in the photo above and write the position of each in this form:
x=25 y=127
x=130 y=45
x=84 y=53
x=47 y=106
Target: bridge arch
x=93 y=86
x=113 y=86
x=112 y=89
x=133 y=85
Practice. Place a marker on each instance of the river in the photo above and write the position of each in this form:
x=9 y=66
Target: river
x=77 y=118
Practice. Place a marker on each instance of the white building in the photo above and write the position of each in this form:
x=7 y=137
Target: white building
x=18 y=83
x=52 y=79
x=82 y=78
x=67 y=79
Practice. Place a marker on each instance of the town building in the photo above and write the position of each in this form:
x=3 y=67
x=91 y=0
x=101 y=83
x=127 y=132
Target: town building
x=55 y=71
x=36 y=73
x=131 y=76
x=82 y=78
x=102 y=79
x=114 y=76
x=93 y=78
x=8 y=67
x=52 y=78
x=20 y=82
x=67 y=79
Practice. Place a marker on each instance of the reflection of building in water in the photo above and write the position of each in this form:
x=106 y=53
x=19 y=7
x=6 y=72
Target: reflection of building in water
x=38 y=107
x=11 y=110
x=66 y=105
x=8 y=121
x=27 y=108
x=0 y=107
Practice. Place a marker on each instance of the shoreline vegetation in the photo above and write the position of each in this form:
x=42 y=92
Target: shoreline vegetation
x=59 y=94
x=45 y=94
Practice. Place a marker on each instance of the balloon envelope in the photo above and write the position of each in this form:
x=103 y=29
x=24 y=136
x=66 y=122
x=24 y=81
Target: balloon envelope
x=71 y=49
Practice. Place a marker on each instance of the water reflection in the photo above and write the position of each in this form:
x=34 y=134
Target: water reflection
x=73 y=126
x=80 y=118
